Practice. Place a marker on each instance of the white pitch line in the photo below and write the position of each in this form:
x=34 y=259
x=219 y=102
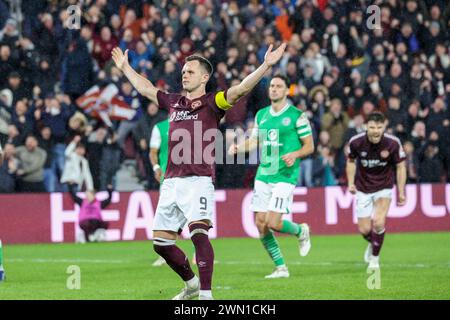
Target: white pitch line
x=230 y=262
x=68 y=261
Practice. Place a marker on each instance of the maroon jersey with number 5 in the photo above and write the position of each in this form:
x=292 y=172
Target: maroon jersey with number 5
x=375 y=163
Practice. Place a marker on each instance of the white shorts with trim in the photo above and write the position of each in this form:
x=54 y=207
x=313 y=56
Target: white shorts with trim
x=275 y=197
x=183 y=200
x=365 y=201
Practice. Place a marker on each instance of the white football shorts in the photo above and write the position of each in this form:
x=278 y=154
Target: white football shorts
x=184 y=200
x=365 y=201
x=274 y=197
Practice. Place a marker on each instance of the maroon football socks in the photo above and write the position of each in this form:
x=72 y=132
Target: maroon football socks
x=377 y=241
x=204 y=253
x=174 y=257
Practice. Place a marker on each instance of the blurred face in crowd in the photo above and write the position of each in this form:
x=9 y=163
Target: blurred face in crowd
x=324 y=138
x=440 y=50
x=434 y=29
x=115 y=22
x=106 y=34
x=413 y=110
x=80 y=150
x=408 y=147
x=5 y=52
x=14 y=81
x=435 y=12
x=319 y=97
x=86 y=33
x=46 y=133
x=31 y=143
x=90 y=195
x=48 y=21
x=277 y=90
x=21 y=108
x=140 y=47
x=291 y=68
x=411 y=6
x=396 y=70
x=368 y=107
x=126 y=88
x=394 y=103
x=168 y=32
x=406 y=30
x=328 y=13
x=375 y=130
x=193 y=76
x=419 y=129
x=358 y=120
x=328 y=81
x=152 y=109
x=12 y=131
x=200 y=11
x=401 y=48
x=44 y=65
x=100 y=134
x=341 y=51
x=9 y=150
x=336 y=106
x=438 y=105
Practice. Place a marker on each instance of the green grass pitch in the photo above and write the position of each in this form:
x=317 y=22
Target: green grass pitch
x=413 y=266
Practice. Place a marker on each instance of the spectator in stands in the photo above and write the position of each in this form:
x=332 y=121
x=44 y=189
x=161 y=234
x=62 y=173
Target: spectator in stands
x=76 y=69
x=76 y=167
x=110 y=161
x=335 y=121
x=46 y=143
x=142 y=134
x=90 y=217
x=30 y=172
x=8 y=169
x=401 y=69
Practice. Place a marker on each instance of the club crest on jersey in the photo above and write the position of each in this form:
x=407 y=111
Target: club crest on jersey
x=363 y=154
x=196 y=104
x=273 y=134
x=286 y=121
x=384 y=154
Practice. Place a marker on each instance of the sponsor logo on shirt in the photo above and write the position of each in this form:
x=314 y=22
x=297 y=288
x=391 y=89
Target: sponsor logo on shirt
x=372 y=163
x=182 y=115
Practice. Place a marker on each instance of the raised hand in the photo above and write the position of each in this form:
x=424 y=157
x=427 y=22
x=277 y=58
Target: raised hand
x=120 y=58
x=272 y=57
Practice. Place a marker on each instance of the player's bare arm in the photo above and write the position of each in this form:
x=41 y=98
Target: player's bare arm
x=401 y=182
x=142 y=85
x=306 y=149
x=351 y=172
x=271 y=58
x=155 y=164
x=247 y=145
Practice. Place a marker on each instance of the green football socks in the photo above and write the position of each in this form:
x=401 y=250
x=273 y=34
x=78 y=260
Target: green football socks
x=272 y=247
x=291 y=228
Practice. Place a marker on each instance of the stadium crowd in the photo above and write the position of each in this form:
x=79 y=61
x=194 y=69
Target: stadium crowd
x=340 y=66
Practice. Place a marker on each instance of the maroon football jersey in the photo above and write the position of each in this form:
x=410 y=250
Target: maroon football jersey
x=193 y=127
x=376 y=163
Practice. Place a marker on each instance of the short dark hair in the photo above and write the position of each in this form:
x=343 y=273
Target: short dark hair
x=284 y=78
x=203 y=62
x=376 y=117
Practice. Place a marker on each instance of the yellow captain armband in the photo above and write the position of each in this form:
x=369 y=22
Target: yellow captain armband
x=221 y=101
